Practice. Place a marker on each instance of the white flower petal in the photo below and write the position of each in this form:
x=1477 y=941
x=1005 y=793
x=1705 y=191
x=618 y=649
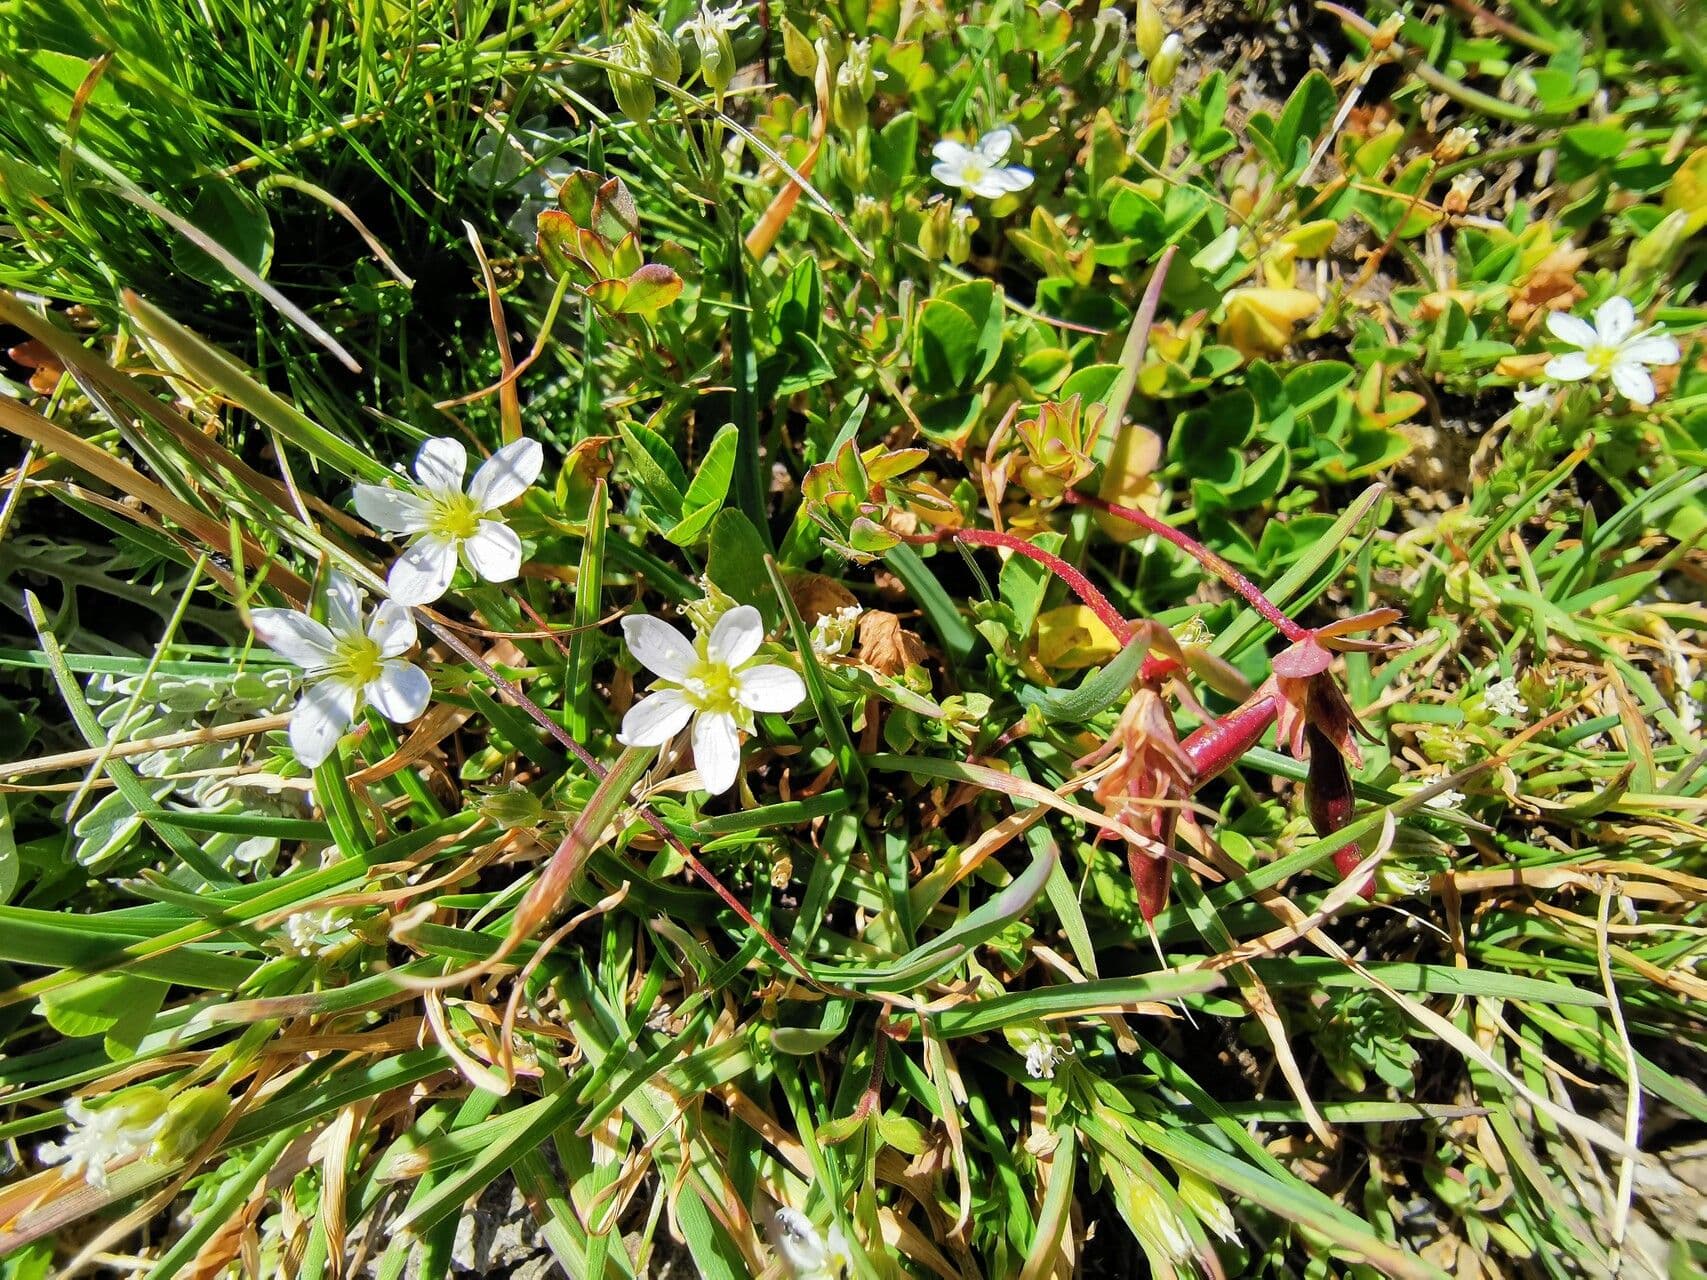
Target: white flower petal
x=737 y=636
x=658 y=646
x=321 y=715
x=1572 y=329
x=505 y=476
x=949 y=173
x=994 y=146
x=392 y=629
x=391 y=510
x=422 y=573
x=716 y=751
x=441 y=464
x=1573 y=366
x=494 y=553
x=1654 y=348
x=655 y=719
x=770 y=688
x=1631 y=378
x=1016 y=177
x=343 y=605
x=952 y=153
x=294 y=636
x=400 y=692
x=798 y=1241
x=1615 y=320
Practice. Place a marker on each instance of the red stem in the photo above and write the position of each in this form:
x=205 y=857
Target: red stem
x=1204 y=556
x=1081 y=585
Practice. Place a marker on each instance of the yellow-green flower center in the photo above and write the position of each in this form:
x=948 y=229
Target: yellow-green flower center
x=453 y=515
x=972 y=173
x=1601 y=357
x=359 y=659
x=712 y=687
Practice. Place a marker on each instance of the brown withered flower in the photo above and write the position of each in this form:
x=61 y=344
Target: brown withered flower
x=1150 y=766
x=1309 y=696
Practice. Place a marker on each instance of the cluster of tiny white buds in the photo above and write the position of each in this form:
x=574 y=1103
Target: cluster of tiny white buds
x=1503 y=699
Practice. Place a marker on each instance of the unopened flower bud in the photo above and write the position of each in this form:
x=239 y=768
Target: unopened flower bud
x=1444 y=744
x=631 y=85
x=1149 y=30
x=870 y=217
x=847 y=102
x=933 y=229
x=141 y=1107
x=654 y=48
x=830 y=51
x=1396 y=881
x=1458 y=143
x=960 y=228
x=1459 y=194
x=190 y=1117
x=1205 y=1202
x=797 y=51
x=705 y=611
x=1166 y=62
x=1159 y=1227
x=1654 y=251
x=511 y=809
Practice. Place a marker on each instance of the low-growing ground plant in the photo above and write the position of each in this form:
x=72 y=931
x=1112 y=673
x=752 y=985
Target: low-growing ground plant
x=872 y=639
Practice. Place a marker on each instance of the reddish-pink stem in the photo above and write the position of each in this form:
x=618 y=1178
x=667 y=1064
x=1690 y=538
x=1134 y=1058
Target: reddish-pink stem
x=1204 y=556
x=1081 y=585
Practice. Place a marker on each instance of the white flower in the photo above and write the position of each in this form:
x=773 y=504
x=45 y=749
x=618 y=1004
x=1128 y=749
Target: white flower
x=345 y=664
x=834 y=632
x=1611 y=347
x=711 y=20
x=100 y=1136
x=809 y=1256
x=979 y=169
x=716 y=682
x=310 y=933
x=1448 y=799
x=1042 y=1058
x=1535 y=397
x=1503 y=699
x=1458 y=143
x=445 y=522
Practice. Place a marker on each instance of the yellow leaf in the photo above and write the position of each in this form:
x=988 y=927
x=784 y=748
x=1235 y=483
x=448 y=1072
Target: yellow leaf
x=1688 y=190
x=1260 y=321
x=1312 y=239
x=1128 y=480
